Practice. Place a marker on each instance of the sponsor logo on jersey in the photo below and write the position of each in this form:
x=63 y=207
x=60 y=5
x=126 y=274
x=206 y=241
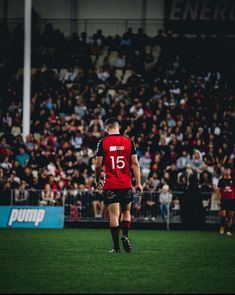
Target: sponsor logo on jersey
x=27 y=215
x=228 y=189
x=114 y=148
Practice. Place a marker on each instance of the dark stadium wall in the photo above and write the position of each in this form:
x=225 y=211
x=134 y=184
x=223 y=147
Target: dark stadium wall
x=15 y=8
x=1 y=8
x=112 y=9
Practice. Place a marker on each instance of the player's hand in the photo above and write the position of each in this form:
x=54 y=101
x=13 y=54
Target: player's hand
x=100 y=185
x=138 y=189
x=138 y=206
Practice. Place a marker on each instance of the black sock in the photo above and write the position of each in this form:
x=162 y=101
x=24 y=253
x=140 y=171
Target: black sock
x=125 y=227
x=115 y=237
x=222 y=221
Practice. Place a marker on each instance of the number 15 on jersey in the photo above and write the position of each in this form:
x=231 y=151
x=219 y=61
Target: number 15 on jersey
x=117 y=162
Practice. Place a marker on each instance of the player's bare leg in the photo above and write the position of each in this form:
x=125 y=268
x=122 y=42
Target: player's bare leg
x=125 y=225
x=230 y=222
x=114 y=213
x=222 y=221
x=101 y=207
x=94 y=207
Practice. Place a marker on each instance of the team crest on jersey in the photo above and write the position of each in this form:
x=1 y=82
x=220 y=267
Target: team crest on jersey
x=114 y=148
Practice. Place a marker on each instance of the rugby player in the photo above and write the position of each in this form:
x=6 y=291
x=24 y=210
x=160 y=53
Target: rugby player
x=226 y=193
x=117 y=153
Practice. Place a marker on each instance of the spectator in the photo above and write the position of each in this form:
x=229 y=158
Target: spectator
x=47 y=196
x=165 y=199
x=145 y=162
x=150 y=201
x=6 y=194
x=97 y=204
x=210 y=159
x=232 y=158
x=21 y=194
x=197 y=162
x=221 y=157
x=22 y=157
x=73 y=202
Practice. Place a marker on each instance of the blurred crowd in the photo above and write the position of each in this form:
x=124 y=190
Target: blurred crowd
x=171 y=95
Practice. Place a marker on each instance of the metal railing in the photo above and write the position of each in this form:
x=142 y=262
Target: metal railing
x=88 y=205
x=109 y=27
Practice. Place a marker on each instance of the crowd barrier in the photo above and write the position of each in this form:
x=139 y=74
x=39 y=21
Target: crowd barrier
x=27 y=208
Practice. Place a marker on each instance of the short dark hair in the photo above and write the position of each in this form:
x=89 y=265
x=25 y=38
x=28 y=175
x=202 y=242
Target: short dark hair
x=227 y=166
x=111 y=123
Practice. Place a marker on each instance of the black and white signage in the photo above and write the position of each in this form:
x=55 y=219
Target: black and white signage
x=200 y=16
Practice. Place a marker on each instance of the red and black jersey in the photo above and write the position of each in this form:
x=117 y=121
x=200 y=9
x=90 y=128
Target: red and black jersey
x=227 y=188
x=116 y=150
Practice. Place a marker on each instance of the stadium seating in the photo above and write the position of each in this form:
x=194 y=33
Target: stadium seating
x=174 y=103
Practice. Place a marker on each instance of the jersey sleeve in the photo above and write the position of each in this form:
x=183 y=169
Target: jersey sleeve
x=220 y=183
x=99 y=149
x=133 y=148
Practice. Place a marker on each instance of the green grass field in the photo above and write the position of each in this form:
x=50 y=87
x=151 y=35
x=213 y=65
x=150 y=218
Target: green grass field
x=77 y=261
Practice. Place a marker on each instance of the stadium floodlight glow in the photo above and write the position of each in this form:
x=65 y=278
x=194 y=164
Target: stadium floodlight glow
x=27 y=68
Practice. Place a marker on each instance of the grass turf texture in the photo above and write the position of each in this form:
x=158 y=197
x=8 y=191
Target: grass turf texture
x=77 y=261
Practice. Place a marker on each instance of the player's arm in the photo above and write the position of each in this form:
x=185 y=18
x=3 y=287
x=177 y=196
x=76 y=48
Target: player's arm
x=136 y=170
x=218 y=190
x=139 y=203
x=98 y=170
x=98 y=165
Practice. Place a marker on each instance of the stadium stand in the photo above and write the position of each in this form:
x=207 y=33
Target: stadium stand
x=172 y=94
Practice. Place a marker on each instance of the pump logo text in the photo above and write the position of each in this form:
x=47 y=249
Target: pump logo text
x=26 y=215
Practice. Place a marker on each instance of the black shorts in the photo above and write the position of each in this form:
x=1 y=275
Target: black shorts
x=97 y=196
x=122 y=196
x=227 y=204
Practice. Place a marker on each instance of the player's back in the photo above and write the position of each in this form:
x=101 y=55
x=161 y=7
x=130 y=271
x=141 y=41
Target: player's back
x=227 y=188
x=116 y=150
